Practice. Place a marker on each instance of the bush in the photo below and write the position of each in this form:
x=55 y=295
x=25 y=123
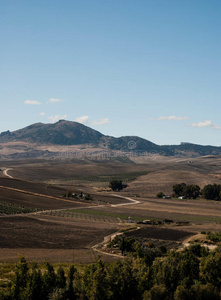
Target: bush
x=214 y=237
x=88 y=197
x=160 y=195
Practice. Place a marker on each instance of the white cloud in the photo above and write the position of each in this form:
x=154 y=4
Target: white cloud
x=32 y=102
x=202 y=124
x=56 y=118
x=53 y=100
x=173 y=118
x=101 y=121
x=82 y=120
x=207 y=123
x=42 y=114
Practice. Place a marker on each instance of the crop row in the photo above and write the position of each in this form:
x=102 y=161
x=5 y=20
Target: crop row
x=10 y=209
x=84 y=216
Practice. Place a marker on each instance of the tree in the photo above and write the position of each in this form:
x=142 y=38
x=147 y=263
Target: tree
x=61 y=279
x=21 y=279
x=182 y=293
x=70 y=288
x=204 y=292
x=121 y=281
x=49 y=280
x=117 y=185
x=158 y=292
x=179 y=189
x=95 y=281
x=176 y=269
x=211 y=269
x=212 y=192
x=192 y=191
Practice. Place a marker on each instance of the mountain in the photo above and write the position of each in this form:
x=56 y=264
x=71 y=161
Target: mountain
x=72 y=133
x=61 y=133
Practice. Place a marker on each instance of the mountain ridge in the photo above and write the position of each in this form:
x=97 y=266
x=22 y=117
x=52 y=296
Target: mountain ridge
x=66 y=133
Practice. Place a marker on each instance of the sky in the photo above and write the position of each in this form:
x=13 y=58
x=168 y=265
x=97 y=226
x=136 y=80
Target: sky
x=148 y=68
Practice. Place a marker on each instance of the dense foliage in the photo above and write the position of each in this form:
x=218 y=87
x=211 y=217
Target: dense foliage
x=193 y=273
x=117 y=185
x=212 y=192
x=193 y=191
x=188 y=191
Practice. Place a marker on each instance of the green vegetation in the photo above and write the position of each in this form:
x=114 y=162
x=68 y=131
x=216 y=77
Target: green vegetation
x=164 y=276
x=209 y=192
x=9 y=209
x=160 y=195
x=188 y=191
x=117 y=185
x=212 y=192
x=101 y=213
x=125 y=177
x=214 y=236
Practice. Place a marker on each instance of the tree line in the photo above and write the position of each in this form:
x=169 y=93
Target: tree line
x=194 y=273
x=209 y=191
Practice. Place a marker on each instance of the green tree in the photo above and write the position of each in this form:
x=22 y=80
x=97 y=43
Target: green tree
x=21 y=279
x=192 y=191
x=182 y=293
x=95 y=281
x=212 y=192
x=70 y=288
x=49 y=280
x=34 y=288
x=121 y=281
x=179 y=189
x=211 y=269
x=204 y=292
x=157 y=292
x=117 y=185
x=61 y=279
x=176 y=269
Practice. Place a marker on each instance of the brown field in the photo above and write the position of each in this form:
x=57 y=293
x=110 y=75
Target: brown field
x=70 y=236
x=44 y=236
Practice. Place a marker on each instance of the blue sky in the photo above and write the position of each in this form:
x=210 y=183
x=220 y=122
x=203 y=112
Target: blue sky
x=150 y=68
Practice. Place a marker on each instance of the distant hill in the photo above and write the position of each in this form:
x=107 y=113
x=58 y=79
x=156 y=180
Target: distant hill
x=72 y=133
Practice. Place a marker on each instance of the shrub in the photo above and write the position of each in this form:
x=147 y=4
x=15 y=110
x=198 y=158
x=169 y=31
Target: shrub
x=160 y=195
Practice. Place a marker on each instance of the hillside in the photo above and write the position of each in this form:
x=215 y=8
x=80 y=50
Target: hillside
x=67 y=133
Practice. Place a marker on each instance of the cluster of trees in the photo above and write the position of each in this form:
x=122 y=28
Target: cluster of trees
x=30 y=283
x=117 y=185
x=194 y=273
x=193 y=191
x=137 y=249
x=212 y=192
x=80 y=196
x=188 y=191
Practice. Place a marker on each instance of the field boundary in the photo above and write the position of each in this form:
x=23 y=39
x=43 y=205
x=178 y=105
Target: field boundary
x=36 y=194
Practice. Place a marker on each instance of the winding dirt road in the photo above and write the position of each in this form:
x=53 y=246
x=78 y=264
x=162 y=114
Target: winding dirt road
x=5 y=172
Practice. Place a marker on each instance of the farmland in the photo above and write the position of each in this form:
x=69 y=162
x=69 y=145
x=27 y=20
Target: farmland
x=38 y=221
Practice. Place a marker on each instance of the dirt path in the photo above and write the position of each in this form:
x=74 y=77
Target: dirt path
x=132 y=201
x=5 y=172
x=105 y=241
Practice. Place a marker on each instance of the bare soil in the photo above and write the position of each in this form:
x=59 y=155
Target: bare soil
x=40 y=233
